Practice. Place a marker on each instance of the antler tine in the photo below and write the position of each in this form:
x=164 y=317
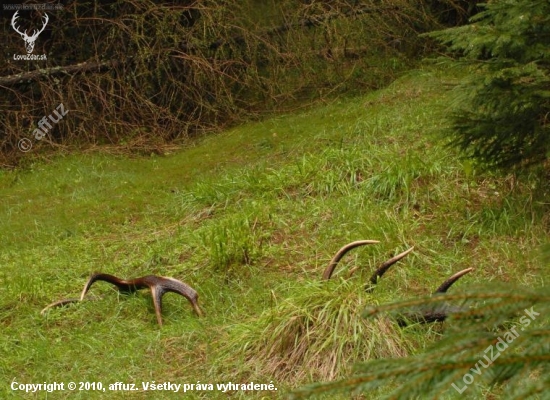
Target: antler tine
x=338 y=256
x=58 y=303
x=87 y=285
x=16 y=28
x=46 y=19
x=437 y=312
x=121 y=284
x=384 y=267
x=449 y=282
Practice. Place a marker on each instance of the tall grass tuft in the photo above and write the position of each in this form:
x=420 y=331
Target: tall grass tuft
x=317 y=333
x=231 y=242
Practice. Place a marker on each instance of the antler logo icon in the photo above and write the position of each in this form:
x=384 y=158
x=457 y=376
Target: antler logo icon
x=29 y=40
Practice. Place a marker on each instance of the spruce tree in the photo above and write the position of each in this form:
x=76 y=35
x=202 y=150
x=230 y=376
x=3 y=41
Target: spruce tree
x=498 y=346
x=501 y=118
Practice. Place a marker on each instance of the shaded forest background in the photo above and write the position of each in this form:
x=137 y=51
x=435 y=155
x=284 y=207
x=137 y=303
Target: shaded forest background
x=140 y=74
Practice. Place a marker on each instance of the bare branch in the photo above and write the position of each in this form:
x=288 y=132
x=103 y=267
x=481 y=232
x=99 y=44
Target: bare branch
x=59 y=70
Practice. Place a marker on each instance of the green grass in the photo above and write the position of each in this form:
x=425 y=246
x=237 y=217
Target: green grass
x=250 y=218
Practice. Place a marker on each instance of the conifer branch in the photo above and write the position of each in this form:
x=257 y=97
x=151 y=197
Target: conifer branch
x=462 y=361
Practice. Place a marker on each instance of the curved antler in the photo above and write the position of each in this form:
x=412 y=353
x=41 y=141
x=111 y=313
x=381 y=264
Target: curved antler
x=158 y=285
x=435 y=312
x=13 y=19
x=449 y=282
x=338 y=256
x=384 y=267
x=59 y=303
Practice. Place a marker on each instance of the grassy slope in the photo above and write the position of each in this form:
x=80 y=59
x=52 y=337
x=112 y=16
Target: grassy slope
x=248 y=218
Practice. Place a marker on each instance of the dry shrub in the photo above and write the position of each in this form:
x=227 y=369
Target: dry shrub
x=142 y=73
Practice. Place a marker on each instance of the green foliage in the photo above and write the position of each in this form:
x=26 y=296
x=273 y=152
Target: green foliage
x=501 y=339
x=501 y=115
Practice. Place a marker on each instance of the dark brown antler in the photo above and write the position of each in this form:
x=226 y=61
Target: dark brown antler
x=341 y=253
x=449 y=282
x=437 y=312
x=159 y=285
x=383 y=268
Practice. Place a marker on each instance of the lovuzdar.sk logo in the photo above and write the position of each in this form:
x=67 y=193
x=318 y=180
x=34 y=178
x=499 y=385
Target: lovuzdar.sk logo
x=29 y=40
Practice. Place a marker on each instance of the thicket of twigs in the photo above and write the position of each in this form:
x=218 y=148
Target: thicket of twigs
x=141 y=73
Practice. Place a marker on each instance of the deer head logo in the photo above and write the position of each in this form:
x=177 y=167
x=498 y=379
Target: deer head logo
x=29 y=40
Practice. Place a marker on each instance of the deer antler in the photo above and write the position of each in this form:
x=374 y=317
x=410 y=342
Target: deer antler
x=449 y=282
x=341 y=253
x=437 y=312
x=15 y=16
x=383 y=268
x=159 y=285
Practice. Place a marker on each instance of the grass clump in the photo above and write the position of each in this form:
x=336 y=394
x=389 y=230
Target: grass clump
x=231 y=242
x=316 y=333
